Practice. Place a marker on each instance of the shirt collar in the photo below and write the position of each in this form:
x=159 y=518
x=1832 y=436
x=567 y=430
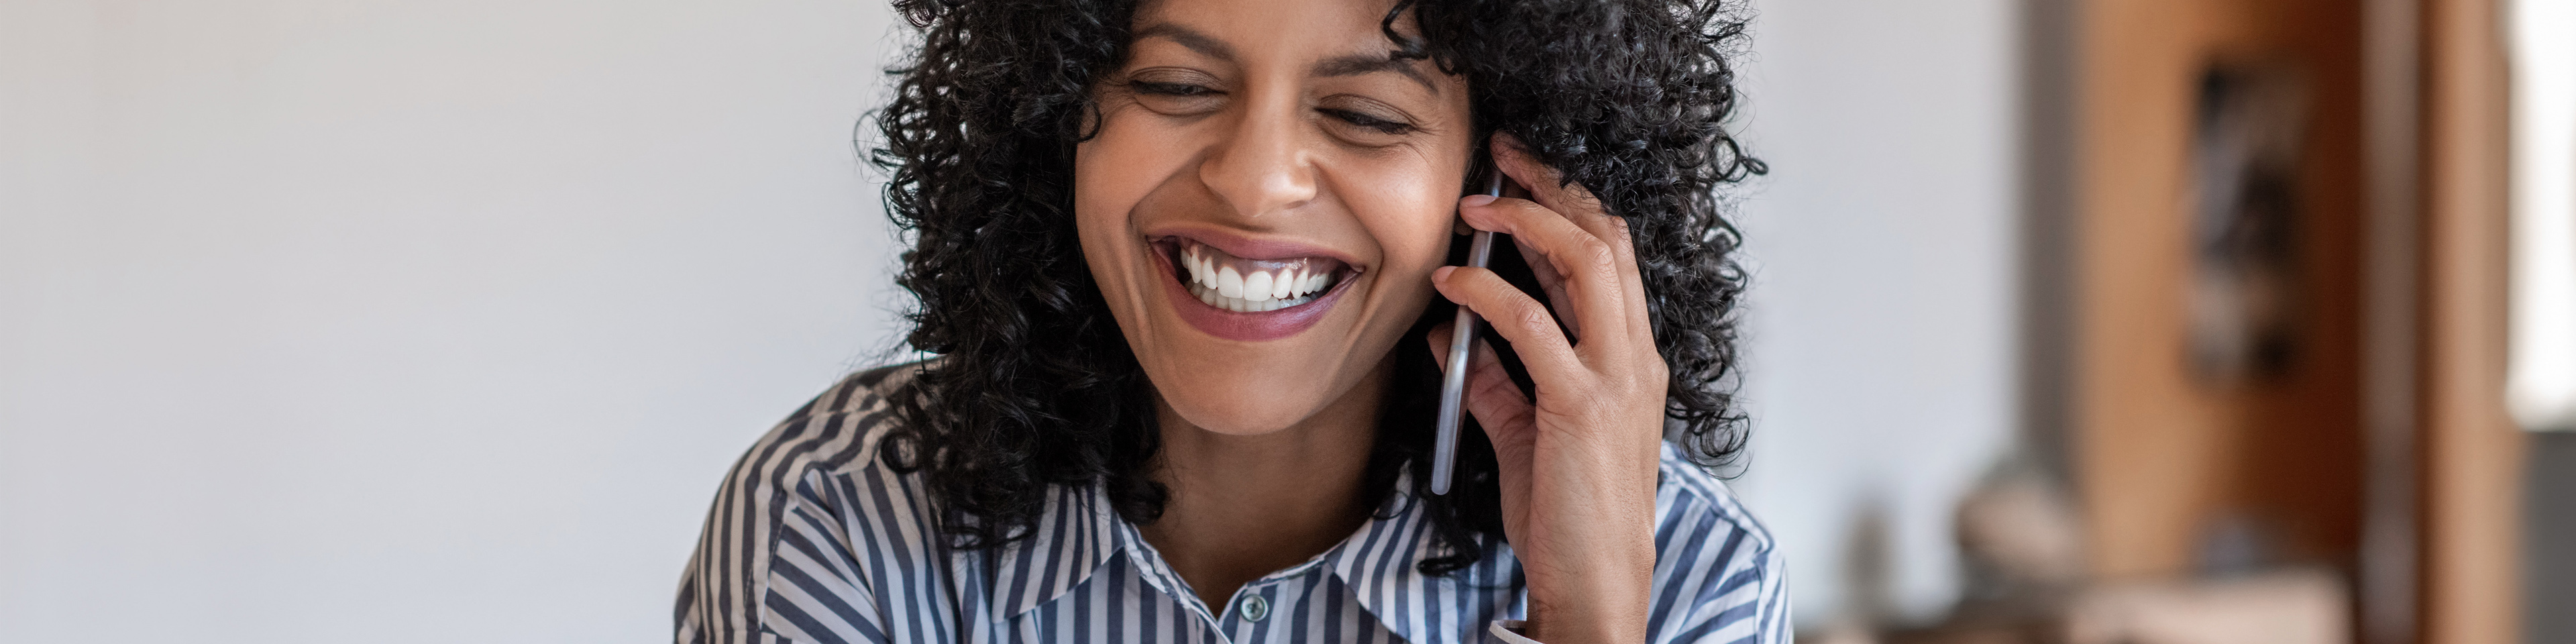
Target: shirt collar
x=1079 y=532
x=1076 y=535
x=1382 y=567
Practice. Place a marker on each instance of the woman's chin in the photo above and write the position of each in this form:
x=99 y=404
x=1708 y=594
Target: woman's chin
x=1224 y=410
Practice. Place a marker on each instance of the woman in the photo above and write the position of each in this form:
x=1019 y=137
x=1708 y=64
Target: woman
x=1179 y=260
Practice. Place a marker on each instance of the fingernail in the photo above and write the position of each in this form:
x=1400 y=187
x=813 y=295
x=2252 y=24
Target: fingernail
x=1441 y=274
x=1475 y=200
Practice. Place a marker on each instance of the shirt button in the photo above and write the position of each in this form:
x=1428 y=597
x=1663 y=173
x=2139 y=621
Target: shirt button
x=1253 y=608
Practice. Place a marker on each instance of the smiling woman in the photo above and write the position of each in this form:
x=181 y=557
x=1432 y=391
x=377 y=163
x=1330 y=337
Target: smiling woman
x=1179 y=261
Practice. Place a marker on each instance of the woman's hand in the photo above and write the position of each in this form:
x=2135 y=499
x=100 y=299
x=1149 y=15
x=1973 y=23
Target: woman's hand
x=1578 y=464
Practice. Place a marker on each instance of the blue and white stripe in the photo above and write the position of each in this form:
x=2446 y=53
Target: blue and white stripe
x=812 y=539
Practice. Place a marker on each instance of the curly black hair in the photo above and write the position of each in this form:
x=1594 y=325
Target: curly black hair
x=1036 y=387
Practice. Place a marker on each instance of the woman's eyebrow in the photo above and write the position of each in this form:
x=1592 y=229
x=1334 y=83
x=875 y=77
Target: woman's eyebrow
x=1350 y=65
x=1357 y=64
x=1187 y=37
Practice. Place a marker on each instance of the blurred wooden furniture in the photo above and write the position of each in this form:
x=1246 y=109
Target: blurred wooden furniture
x=2161 y=456
x=2163 y=460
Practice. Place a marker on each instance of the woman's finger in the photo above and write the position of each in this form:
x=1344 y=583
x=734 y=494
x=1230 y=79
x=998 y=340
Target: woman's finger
x=1632 y=278
x=1576 y=203
x=1512 y=314
x=1588 y=265
x=1552 y=283
x=1508 y=418
x=1547 y=186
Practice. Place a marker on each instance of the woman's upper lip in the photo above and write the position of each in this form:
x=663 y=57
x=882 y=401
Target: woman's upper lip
x=1249 y=247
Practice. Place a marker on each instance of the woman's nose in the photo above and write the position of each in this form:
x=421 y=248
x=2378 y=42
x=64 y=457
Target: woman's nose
x=1261 y=169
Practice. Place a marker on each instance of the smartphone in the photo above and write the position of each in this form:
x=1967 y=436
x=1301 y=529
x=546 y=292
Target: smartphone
x=1488 y=180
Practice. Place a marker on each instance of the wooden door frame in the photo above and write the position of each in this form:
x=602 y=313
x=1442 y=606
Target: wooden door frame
x=2472 y=453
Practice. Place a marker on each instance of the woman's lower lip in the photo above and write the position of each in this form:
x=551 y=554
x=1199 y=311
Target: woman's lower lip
x=1240 y=326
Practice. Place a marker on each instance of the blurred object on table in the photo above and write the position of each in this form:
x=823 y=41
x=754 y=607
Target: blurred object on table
x=2300 y=606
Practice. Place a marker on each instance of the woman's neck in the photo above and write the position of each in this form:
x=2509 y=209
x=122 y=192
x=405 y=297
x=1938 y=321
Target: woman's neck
x=1245 y=506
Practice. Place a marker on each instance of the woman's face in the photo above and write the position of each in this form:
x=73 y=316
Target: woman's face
x=1265 y=200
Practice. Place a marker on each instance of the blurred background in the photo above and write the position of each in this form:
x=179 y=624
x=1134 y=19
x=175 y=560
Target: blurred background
x=2106 y=321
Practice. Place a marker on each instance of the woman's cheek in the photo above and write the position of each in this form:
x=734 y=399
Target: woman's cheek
x=1411 y=214
x=1115 y=170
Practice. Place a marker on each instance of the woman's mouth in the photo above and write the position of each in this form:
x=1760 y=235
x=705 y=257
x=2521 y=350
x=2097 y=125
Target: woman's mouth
x=1250 y=299
x=1251 y=285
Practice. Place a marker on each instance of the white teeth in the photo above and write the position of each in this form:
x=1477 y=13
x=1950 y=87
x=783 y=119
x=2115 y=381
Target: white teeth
x=1256 y=287
x=1228 y=282
x=1233 y=289
x=1240 y=305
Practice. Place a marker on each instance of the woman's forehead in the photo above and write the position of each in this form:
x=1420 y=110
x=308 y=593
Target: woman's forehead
x=1328 y=38
x=1271 y=27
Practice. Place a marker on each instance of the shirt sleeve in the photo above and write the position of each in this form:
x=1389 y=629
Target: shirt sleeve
x=1719 y=578
x=1774 y=602
x=773 y=563
x=1760 y=616
x=1748 y=604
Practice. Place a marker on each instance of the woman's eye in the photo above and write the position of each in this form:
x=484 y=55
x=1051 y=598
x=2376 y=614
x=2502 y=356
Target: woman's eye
x=1170 y=89
x=1384 y=126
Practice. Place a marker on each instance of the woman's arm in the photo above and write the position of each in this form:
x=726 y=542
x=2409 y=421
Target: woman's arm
x=1578 y=464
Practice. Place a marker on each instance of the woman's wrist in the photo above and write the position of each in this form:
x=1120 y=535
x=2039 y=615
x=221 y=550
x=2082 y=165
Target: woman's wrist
x=1606 y=603
x=1587 y=625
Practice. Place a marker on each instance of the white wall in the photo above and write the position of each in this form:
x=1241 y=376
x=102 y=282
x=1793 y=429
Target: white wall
x=376 y=321
x=2541 y=383
x=437 y=321
x=1883 y=246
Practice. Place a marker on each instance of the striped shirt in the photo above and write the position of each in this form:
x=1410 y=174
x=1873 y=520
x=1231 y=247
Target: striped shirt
x=814 y=539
